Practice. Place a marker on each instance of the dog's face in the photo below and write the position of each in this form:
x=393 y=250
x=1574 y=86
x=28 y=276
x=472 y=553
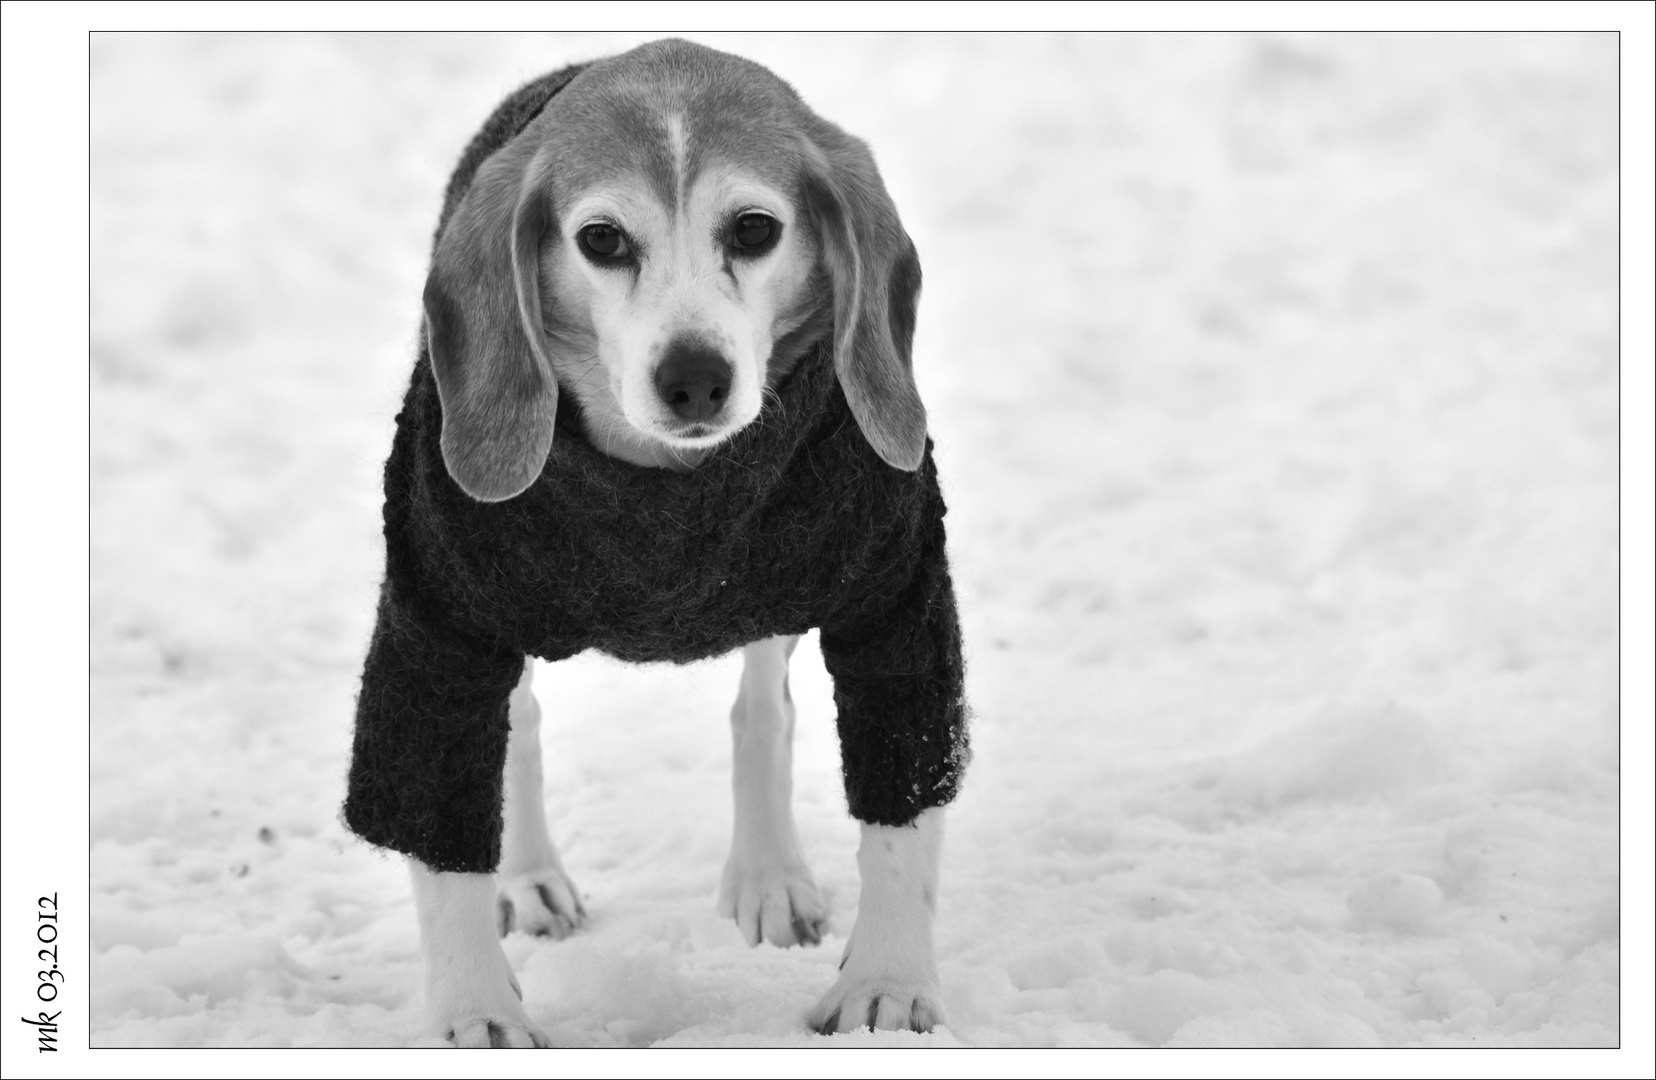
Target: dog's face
x=670 y=293
x=664 y=241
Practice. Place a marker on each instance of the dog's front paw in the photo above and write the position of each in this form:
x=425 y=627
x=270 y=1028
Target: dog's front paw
x=472 y=997
x=774 y=902
x=881 y=1000
x=476 y=1002
x=888 y=976
x=543 y=902
x=482 y=1033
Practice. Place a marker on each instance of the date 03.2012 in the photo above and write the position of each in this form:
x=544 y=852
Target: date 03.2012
x=49 y=979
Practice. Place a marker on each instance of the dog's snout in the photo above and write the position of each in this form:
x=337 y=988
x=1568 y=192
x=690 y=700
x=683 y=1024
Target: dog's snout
x=693 y=380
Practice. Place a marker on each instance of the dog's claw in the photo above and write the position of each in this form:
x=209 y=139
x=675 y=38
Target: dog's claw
x=807 y=930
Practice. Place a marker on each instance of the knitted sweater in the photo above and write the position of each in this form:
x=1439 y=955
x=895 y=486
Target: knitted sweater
x=794 y=523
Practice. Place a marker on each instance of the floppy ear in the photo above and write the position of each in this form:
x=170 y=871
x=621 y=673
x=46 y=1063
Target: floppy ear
x=875 y=274
x=483 y=328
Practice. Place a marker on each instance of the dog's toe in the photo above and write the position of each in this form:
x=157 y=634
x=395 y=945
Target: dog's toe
x=783 y=921
x=924 y=1015
x=485 y=1034
x=510 y=1036
x=837 y=1013
x=780 y=905
x=470 y=1036
x=893 y=1013
x=824 y=1025
x=544 y=903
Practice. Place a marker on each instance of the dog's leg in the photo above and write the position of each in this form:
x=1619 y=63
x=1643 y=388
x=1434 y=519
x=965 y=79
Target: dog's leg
x=767 y=888
x=535 y=894
x=471 y=992
x=888 y=976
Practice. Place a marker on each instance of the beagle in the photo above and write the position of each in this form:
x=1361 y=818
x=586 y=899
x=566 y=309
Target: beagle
x=664 y=407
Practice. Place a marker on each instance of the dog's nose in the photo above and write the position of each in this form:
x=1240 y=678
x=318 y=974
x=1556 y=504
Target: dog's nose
x=693 y=380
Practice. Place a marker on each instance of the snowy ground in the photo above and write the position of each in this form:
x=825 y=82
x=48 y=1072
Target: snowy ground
x=1274 y=385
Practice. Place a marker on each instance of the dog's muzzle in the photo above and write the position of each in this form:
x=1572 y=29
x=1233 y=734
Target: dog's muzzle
x=693 y=381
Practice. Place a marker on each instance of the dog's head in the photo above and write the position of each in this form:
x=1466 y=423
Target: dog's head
x=663 y=241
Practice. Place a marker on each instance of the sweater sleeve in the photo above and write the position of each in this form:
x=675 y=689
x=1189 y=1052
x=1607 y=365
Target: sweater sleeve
x=429 y=755
x=899 y=685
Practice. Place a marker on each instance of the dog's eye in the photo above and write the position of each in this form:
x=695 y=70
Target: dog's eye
x=602 y=242
x=754 y=232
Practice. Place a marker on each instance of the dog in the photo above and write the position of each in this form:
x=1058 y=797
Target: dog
x=664 y=407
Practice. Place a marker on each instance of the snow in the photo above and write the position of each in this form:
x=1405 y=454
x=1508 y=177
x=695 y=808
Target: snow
x=1274 y=381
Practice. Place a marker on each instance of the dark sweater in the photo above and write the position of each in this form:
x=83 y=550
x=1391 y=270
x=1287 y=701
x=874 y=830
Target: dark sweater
x=794 y=523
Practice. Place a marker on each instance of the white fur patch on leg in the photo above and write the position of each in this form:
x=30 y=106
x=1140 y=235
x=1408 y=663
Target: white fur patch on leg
x=535 y=894
x=767 y=887
x=888 y=979
x=471 y=995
